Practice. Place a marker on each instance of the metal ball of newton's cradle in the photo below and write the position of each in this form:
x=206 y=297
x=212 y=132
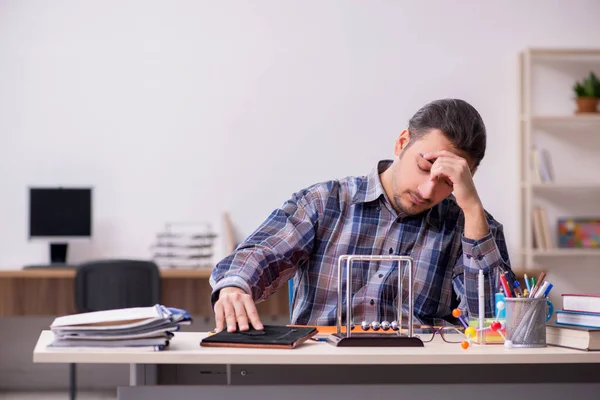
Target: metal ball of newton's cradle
x=385 y=325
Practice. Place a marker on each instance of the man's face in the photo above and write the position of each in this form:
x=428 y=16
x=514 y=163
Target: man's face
x=413 y=189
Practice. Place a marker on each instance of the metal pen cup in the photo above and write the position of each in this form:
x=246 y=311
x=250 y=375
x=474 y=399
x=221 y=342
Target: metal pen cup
x=526 y=320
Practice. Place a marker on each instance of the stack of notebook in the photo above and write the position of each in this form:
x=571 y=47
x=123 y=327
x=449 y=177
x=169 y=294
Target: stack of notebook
x=577 y=324
x=143 y=328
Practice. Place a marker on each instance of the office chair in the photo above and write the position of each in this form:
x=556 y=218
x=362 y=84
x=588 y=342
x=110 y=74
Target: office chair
x=111 y=284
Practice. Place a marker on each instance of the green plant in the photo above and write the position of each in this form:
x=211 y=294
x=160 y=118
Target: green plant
x=589 y=87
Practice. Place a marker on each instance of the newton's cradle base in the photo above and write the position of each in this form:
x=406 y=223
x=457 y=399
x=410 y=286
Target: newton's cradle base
x=373 y=340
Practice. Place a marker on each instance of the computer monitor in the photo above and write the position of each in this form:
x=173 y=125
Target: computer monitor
x=59 y=215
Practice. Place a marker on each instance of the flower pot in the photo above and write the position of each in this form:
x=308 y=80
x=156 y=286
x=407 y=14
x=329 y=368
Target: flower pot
x=587 y=105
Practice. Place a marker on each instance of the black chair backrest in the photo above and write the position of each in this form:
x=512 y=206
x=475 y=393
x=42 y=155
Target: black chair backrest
x=111 y=284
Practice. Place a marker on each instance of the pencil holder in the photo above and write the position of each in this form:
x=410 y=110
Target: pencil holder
x=526 y=321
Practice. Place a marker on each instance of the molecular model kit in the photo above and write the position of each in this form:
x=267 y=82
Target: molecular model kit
x=496 y=325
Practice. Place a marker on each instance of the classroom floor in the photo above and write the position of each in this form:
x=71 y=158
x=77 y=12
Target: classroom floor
x=57 y=395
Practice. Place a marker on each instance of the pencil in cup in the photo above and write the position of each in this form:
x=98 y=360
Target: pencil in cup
x=526 y=321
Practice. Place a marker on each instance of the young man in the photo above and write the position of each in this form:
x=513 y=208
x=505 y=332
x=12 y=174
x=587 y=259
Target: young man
x=423 y=204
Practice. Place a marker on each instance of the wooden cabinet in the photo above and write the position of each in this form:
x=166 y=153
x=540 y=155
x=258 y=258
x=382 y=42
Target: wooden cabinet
x=50 y=292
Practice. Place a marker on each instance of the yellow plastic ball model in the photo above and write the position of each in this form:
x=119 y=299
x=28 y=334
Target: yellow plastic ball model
x=470 y=332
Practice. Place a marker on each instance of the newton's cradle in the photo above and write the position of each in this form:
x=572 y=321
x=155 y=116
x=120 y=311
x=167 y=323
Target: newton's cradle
x=398 y=339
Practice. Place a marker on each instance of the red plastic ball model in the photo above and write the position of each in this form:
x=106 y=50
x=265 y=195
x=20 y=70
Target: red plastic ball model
x=495 y=326
x=456 y=313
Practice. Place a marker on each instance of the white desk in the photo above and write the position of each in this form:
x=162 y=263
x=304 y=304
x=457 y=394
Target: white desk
x=436 y=357
x=185 y=349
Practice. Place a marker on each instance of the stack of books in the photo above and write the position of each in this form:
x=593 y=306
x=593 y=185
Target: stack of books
x=577 y=324
x=142 y=328
x=183 y=245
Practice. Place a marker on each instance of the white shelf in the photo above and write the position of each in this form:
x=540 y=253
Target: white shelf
x=575 y=118
x=551 y=186
x=560 y=252
x=590 y=52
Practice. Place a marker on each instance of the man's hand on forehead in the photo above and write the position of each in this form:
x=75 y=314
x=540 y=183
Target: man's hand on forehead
x=433 y=156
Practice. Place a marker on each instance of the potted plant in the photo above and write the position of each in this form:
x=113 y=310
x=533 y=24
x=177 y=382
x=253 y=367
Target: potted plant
x=587 y=94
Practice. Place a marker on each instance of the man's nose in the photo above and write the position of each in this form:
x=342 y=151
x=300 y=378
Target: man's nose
x=426 y=189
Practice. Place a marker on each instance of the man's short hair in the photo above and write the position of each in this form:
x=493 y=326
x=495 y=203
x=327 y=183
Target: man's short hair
x=458 y=120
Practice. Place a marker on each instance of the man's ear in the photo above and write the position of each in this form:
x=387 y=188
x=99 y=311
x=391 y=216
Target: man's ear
x=401 y=142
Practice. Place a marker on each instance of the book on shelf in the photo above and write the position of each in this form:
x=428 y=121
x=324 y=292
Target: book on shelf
x=538 y=235
x=584 y=302
x=542 y=234
x=584 y=319
x=542 y=171
x=574 y=337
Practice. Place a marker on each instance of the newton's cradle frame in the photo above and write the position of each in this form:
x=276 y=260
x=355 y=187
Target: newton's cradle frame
x=397 y=339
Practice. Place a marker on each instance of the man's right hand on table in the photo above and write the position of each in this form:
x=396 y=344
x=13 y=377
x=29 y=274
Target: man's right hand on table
x=236 y=307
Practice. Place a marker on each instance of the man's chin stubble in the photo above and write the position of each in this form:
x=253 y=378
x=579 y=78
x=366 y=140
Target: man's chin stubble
x=411 y=211
x=401 y=208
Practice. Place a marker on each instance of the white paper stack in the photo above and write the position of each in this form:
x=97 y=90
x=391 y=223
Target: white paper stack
x=184 y=245
x=148 y=328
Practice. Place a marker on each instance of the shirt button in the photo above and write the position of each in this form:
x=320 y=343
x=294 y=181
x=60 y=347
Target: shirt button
x=372 y=302
x=391 y=250
x=381 y=275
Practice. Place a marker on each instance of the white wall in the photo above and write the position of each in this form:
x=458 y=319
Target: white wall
x=183 y=110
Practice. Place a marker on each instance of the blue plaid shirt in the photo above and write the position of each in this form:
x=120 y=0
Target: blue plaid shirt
x=305 y=237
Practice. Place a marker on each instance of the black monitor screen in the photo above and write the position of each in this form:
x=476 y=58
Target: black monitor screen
x=60 y=212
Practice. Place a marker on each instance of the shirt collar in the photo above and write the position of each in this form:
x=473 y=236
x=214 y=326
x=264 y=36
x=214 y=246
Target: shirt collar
x=370 y=189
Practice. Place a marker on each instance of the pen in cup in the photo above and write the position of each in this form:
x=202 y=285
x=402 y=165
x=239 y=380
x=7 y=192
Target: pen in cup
x=540 y=292
x=504 y=282
x=548 y=289
x=527 y=282
x=518 y=290
x=538 y=284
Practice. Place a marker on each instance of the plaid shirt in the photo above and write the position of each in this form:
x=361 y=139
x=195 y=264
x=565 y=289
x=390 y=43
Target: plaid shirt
x=305 y=237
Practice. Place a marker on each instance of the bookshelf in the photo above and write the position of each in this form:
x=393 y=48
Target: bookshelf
x=560 y=152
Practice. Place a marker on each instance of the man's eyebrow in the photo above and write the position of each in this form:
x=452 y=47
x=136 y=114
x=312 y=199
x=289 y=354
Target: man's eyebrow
x=430 y=161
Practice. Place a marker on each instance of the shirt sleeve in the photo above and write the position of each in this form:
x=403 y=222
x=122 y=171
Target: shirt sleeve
x=269 y=257
x=488 y=254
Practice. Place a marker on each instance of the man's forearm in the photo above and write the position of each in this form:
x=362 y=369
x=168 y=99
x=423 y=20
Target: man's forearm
x=476 y=225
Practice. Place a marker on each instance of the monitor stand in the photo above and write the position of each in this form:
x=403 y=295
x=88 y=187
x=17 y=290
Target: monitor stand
x=58 y=258
x=58 y=253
